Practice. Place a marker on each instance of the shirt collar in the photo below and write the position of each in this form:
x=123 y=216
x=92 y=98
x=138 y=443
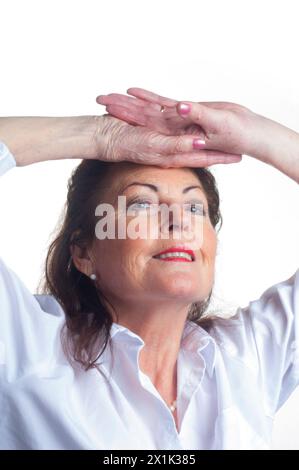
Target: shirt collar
x=194 y=339
x=197 y=340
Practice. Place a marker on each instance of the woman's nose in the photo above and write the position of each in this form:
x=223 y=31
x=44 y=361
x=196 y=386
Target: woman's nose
x=173 y=220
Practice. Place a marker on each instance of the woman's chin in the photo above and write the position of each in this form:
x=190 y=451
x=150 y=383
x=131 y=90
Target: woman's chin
x=180 y=287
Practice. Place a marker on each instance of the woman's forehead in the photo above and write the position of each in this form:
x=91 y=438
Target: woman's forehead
x=127 y=173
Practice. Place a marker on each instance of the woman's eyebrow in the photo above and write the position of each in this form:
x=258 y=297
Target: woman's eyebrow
x=155 y=188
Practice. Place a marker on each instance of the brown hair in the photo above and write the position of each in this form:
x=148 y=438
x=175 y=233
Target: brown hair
x=88 y=321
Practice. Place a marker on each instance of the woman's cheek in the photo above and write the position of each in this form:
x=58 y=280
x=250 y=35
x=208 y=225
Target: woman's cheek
x=209 y=244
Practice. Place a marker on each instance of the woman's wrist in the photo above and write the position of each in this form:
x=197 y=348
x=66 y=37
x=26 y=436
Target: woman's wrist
x=36 y=139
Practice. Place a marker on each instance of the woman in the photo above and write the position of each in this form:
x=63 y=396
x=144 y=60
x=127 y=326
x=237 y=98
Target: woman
x=116 y=354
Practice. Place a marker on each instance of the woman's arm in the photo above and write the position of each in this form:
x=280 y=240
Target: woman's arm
x=279 y=147
x=36 y=139
x=223 y=126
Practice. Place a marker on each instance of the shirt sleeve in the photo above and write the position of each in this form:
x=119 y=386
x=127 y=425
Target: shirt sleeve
x=27 y=330
x=7 y=160
x=275 y=325
x=265 y=336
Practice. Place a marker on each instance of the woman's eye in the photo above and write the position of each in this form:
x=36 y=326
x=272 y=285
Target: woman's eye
x=196 y=208
x=139 y=204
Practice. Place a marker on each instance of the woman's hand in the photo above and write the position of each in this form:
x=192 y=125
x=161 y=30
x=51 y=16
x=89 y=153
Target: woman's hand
x=117 y=140
x=226 y=127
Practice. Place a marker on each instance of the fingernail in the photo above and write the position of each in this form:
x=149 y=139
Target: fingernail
x=199 y=143
x=184 y=108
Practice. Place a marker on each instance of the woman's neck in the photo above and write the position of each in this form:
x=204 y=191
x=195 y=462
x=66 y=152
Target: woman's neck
x=161 y=329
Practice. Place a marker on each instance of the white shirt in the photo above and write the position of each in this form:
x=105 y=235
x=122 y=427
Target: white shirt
x=231 y=381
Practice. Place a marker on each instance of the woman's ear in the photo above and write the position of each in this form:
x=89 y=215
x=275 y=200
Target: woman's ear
x=81 y=259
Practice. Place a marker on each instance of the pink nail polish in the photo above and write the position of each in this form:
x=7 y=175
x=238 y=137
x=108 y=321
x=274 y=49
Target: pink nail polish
x=184 y=108
x=199 y=143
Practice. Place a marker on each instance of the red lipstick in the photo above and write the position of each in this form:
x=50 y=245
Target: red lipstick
x=176 y=250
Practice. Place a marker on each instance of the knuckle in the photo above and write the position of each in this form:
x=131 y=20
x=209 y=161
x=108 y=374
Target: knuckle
x=178 y=146
x=198 y=112
x=151 y=141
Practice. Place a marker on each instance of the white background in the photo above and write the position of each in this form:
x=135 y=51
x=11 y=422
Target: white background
x=56 y=56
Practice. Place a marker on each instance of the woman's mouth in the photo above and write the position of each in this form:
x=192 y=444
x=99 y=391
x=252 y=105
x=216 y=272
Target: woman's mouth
x=171 y=255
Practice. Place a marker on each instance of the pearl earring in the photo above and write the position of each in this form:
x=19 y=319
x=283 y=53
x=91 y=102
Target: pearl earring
x=93 y=276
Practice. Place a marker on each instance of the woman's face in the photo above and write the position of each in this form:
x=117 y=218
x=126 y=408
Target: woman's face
x=125 y=267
